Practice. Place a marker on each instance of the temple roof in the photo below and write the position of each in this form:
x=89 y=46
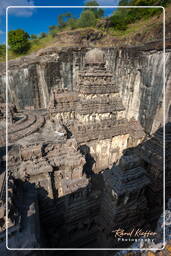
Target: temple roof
x=95 y=56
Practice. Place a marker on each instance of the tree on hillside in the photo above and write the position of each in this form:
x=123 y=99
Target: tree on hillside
x=52 y=27
x=73 y=23
x=123 y=2
x=118 y=22
x=62 y=19
x=122 y=17
x=2 y=49
x=19 y=41
x=98 y=12
x=149 y=2
x=87 y=19
x=53 y=30
x=43 y=34
x=33 y=36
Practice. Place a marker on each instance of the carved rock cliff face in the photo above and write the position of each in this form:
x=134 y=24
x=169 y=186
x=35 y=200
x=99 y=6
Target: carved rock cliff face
x=138 y=73
x=84 y=156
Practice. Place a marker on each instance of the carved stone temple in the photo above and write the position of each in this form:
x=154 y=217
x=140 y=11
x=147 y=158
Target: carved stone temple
x=80 y=168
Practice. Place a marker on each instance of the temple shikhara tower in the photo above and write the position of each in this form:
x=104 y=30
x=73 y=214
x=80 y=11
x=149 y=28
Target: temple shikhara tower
x=81 y=167
x=95 y=98
x=94 y=113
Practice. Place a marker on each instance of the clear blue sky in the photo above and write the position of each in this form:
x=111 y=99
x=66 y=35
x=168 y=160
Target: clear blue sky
x=37 y=20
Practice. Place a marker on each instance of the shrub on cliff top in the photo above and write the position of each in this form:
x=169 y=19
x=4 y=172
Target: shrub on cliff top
x=87 y=19
x=98 y=12
x=2 y=49
x=18 y=41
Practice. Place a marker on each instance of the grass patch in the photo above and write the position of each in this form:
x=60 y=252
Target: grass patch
x=143 y=26
x=36 y=45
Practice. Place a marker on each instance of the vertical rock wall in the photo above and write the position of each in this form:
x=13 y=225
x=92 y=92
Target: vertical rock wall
x=139 y=74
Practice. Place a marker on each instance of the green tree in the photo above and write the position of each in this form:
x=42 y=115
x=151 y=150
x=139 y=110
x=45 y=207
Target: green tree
x=43 y=34
x=118 y=22
x=52 y=27
x=72 y=23
x=149 y=2
x=124 y=16
x=98 y=12
x=19 y=41
x=53 y=30
x=62 y=19
x=33 y=36
x=2 y=49
x=87 y=19
x=124 y=2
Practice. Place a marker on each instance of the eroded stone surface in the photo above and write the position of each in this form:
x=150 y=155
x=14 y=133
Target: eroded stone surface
x=84 y=166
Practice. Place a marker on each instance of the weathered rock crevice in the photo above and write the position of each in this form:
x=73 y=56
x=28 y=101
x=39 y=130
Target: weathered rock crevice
x=138 y=73
x=85 y=145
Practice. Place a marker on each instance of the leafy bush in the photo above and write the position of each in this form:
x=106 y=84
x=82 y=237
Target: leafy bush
x=124 y=2
x=98 y=12
x=145 y=2
x=73 y=23
x=118 y=22
x=53 y=32
x=149 y=2
x=42 y=35
x=124 y=16
x=53 y=27
x=2 y=49
x=62 y=19
x=19 y=41
x=87 y=19
x=33 y=36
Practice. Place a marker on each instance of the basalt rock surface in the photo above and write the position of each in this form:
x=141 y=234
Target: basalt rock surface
x=85 y=147
x=137 y=71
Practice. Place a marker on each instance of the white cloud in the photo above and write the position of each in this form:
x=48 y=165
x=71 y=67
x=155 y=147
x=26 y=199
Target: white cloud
x=27 y=12
x=1 y=32
x=106 y=2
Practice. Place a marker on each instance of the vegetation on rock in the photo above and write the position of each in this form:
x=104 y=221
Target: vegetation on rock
x=19 y=41
x=87 y=19
x=122 y=22
x=98 y=12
